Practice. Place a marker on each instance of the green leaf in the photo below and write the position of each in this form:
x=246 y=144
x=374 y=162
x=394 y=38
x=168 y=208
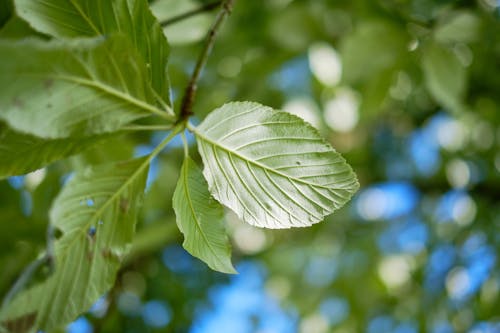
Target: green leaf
x=77 y=88
x=96 y=213
x=76 y=18
x=374 y=46
x=459 y=27
x=270 y=167
x=22 y=153
x=445 y=75
x=200 y=219
x=189 y=30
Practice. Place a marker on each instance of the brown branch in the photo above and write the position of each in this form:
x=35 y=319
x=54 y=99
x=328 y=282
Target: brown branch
x=190 y=92
x=205 y=8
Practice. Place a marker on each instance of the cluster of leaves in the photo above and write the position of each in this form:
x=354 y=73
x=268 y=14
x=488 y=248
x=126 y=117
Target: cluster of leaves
x=75 y=74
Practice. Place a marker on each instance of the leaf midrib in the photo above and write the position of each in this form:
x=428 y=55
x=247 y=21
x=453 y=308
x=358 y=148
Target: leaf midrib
x=116 y=93
x=256 y=163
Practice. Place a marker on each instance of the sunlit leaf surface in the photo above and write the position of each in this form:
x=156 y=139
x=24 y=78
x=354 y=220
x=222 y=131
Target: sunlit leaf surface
x=272 y=168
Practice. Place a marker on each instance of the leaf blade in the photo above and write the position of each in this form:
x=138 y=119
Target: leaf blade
x=22 y=153
x=201 y=220
x=445 y=76
x=63 y=89
x=89 y=253
x=89 y=18
x=288 y=177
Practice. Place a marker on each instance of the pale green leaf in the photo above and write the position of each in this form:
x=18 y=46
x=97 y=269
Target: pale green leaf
x=69 y=19
x=445 y=75
x=200 y=219
x=459 y=27
x=23 y=153
x=186 y=31
x=77 y=88
x=96 y=213
x=270 y=167
x=371 y=48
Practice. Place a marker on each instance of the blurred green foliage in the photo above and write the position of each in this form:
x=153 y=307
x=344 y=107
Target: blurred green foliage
x=417 y=104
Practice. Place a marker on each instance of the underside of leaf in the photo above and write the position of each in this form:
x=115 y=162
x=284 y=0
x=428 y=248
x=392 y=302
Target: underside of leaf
x=77 y=88
x=96 y=213
x=272 y=168
x=200 y=219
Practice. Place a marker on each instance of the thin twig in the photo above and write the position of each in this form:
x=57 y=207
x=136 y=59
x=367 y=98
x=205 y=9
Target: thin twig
x=205 y=8
x=189 y=94
x=148 y=128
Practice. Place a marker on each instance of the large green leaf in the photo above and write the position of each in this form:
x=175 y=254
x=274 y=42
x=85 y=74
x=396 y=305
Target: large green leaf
x=272 y=168
x=96 y=213
x=78 y=88
x=22 y=153
x=63 y=19
x=200 y=219
x=445 y=75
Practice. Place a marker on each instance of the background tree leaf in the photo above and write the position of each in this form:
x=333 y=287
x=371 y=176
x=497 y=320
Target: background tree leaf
x=200 y=219
x=270 y=167
x=96 y=213
x=186 y=31
x=445 y=75
x=22 y=153
x=76 y=88
x=69 y=19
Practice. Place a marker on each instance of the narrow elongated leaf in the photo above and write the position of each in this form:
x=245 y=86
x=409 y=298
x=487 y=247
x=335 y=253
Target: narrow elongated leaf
x=200 y=219
x=75 y=18
x=23 y=153
x=272 y=168
x=96 y=213
x=56 y=90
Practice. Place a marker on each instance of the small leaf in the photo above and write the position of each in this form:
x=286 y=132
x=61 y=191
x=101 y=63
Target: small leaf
x=372 y=47
x=77 y=88
x=23 y=153
x=270 y=167
x=459 y=27
x=96 y=235
x=445 y=75
x=189 y=30
x=200 y=219
x=88 y=18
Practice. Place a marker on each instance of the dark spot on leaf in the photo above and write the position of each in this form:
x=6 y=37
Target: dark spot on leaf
x=21 y=324
x=298 y=163
x=48 y=83
x=268 y=206
x=124 y=206
x=108 y=254
x=49 y=105
x=18 y=102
